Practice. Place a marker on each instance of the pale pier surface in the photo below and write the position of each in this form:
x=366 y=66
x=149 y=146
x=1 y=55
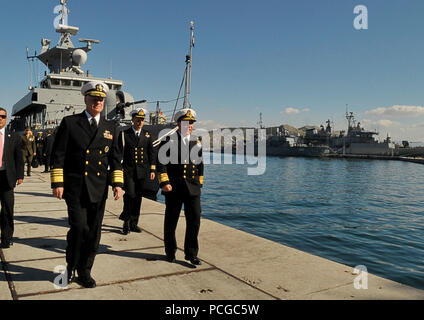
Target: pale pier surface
x=236 y=265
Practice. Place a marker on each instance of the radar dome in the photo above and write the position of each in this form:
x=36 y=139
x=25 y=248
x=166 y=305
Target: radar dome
x=79 y=57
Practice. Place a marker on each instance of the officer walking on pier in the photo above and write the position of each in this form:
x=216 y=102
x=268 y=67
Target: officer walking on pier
x=47 y=149
x=181 y=181
x=29 y=149
x=85 y=146
x=11 y=174
x=139 y=164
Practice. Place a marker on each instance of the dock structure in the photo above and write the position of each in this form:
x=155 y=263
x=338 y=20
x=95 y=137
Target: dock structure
x=235 y=265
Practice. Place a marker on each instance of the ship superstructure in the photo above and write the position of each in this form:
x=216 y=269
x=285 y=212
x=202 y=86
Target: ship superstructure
x=58 y=93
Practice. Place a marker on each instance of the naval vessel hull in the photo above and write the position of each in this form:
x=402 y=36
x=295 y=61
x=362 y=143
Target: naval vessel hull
x=297 y=151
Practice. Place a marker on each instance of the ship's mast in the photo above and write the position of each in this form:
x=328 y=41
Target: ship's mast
x=187 y=90
x=187 y=74
x=65 y=11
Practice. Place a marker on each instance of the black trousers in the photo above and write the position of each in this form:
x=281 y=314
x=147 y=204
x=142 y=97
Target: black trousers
x=39 y=156
x=132 y=200
x=174 y=201
x=47 y=163
x=85 y=219
x=7 y=199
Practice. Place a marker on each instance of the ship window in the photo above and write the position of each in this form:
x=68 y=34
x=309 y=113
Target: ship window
x=77 y=83
x=55 y=82
x=66 y=82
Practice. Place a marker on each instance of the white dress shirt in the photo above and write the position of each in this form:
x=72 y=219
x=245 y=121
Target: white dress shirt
x=186 y=140
x=89 y=117
x=3 y=132
x=137 y=133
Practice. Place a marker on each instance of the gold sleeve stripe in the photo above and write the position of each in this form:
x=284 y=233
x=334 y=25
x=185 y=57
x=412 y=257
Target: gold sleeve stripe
x=201 y=179
x=118 y=176
x=153 y=167
x=163 y=177
x=56 y=176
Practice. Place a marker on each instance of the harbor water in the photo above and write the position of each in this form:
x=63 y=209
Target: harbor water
x=355 y=212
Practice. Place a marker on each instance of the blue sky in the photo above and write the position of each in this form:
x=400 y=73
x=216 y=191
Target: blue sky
x=297 y=61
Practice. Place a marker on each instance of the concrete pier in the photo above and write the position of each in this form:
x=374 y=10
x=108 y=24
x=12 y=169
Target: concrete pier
x=236 y=265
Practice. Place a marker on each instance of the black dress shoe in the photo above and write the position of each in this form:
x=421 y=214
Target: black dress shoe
x=170 y=259
x=5 y=245
x=194 y=260
x=87 y=281
x=70 y=275
x=135 y=229
x=126 y=228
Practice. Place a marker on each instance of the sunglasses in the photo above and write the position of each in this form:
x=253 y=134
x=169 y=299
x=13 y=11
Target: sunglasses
x=3 y=116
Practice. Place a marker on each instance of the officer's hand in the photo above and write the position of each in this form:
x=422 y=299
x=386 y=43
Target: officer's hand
x=152 y=176
x=167 y=188
x=20 y=181
x=58 y=193
x=117 y=192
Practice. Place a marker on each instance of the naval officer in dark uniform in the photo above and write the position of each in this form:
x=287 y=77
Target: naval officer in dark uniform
x=11 y=174
x=85 y=146
x=139 y=164
x=180 y=170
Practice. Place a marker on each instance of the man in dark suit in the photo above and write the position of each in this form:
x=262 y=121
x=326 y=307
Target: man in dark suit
x=11 y=174
x=139 y=164
x=180 y=170
x=47 y=150
x=85 y=146
x=39 y=142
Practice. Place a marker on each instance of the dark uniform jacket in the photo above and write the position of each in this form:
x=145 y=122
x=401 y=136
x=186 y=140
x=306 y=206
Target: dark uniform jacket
x=187 y=171
x=138 y=156
x=48 y=145
x=79 y=158
x=13 y=160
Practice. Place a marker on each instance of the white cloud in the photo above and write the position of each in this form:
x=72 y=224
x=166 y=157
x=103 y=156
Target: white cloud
x=209 y=125
x=397 y=111
x=387 y=123
x=292 y=111
x=380 y=123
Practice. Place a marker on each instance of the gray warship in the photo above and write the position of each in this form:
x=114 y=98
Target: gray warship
x=288 y=145
x=58 y=94
x=356 y=141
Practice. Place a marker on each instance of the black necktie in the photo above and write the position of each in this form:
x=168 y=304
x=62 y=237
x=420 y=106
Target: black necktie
x=93 y=125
